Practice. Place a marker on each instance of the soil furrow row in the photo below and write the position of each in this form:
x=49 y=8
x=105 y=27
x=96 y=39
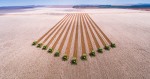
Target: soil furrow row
x=56 y=33
x=54 y=27
x=99 y=36
x=95 y=40
x=61 y=33
x=100 y=30
x=92 y=52
x=67 y=51
x=84 y=53
x=74 y=59
x=66 y=33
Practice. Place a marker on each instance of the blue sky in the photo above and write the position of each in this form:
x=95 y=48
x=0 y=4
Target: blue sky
x=67 y=2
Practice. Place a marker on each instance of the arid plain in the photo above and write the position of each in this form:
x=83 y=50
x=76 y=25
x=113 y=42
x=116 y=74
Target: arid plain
x=129 y=29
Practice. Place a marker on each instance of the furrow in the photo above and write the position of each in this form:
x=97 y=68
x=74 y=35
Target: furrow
x=88 y=25
x=53 y=31
x=82 y=37
x=64 y=38
x=99 y=36
x=54 y=45
x=62 y=20
x=67 y=51
x=87 y=36
x=100 y=31
x=61 y=26
x=76 y=39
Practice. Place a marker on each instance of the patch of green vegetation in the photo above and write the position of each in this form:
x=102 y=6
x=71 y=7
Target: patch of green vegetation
x=107 y=48
x=39 y=45
x=44 y=47
x=50 y=50
x=113 y=45
x=57 y=54
x=34 y=43
x=100 y=50
x=65 y=58
x=84 y=56
x=74 y=61
x=92 y=54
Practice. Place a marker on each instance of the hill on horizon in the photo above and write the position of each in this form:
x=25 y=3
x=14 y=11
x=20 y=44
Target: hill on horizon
x=77 y=6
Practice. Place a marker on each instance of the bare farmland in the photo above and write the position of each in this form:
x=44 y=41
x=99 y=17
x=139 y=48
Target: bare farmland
x=129 y=29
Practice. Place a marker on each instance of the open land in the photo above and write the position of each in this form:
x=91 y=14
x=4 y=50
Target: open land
x=144 y=9
x=129 y=29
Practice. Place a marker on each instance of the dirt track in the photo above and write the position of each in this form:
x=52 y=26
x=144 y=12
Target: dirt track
x=129 y=29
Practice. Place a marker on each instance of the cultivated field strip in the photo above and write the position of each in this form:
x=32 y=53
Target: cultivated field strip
x=55 y=27
x=71 y=26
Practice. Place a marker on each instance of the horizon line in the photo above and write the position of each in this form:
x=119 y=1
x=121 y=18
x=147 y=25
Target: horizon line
x=71 y=4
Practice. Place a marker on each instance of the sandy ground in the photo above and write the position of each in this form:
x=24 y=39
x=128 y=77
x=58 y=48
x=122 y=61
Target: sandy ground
x=129 y=29
x=144 y=9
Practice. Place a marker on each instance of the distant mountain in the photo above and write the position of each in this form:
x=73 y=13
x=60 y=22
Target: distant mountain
x=19 y=7
x=113 y=6
x=59 y=6
x=34 y=6
x=76 y=6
